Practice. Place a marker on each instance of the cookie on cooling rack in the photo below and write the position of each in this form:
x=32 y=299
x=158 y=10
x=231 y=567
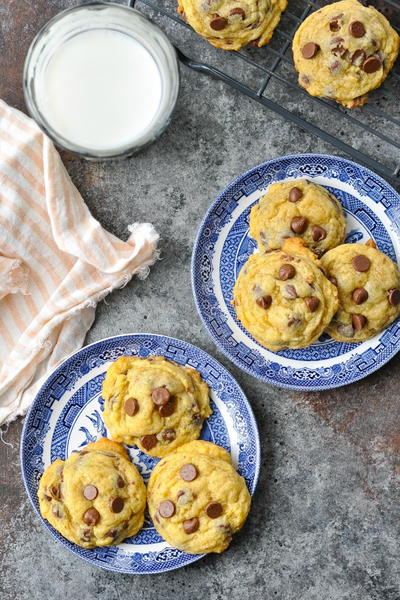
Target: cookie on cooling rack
x=298 y=209
x=343 y=51
x=231 y=24
x=283 y=298
x=154 y=403
x=196 y=498
x=368 y=284
x=94 y=498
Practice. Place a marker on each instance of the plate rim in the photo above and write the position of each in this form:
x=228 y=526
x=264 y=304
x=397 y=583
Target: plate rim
x=63 y=541
x=233 y=359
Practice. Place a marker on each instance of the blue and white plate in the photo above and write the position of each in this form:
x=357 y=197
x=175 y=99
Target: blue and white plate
x=66 y=415
x=223 y=245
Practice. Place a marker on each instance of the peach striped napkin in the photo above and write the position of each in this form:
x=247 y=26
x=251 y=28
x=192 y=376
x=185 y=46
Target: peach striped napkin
x=56 y=261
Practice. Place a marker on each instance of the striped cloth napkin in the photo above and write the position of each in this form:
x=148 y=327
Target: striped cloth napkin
x=56 y=261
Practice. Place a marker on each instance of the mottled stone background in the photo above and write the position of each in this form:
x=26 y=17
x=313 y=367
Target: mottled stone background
x=325 y=518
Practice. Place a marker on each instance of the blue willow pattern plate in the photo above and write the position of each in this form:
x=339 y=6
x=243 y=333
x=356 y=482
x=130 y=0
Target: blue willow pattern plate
x=66 y=415
x=223 y=245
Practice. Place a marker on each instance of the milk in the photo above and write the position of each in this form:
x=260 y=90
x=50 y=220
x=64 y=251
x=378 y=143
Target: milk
x=101 y=90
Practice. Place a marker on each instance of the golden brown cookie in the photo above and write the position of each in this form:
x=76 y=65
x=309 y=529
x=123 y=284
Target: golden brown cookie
x=298 y=208
x=94 y=498
x=343 y=51
x=154 y=403
x=283 y=298
x=368 y=283
x=196 y=498
x=231 y=24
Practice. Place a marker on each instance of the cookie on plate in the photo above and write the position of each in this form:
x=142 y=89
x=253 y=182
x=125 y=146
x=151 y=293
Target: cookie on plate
x=196 y=498
x=231 y=24
x=283 y=298
x=96 y=497
x=368 y=283
x=298 y=208
x=343 y=51
x=154 y=403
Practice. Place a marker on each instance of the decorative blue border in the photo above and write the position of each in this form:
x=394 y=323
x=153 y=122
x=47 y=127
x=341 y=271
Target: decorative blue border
x=67 y=375
x=295 y=373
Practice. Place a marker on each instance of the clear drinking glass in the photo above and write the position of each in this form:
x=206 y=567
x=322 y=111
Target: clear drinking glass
x=92 y=16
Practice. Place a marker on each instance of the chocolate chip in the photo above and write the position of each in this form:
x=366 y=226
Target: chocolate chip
x=120 y=481
x=394 y=297
x=86 y=535
x=359 y=295
x=312 y=303
x=166 y=509
x=305 y=79
x=334 y=66
x=197 y=420
x=191 y=525
x=299 y=224
x=160 y=396
x=318 y=233
x=214 y=510
x=357 y=29
x=334 y=25
x=149 y=441
x=116 y=504
x=333 y=280
x=361 y=263
x=167 y=409
x=264 y=301
x=358 y=57
x=218 y=23
x=55 y=491
x=358 y=322
x=237 y=11
x=372 y=64
x=309 y=50
x=286 y=272
x=91 y=516
x=90 y=492
x=291 y=291
x=168 y=435
x=188 y=472
x=113 y=533
x=131 y=406
x=293 y=321
x=57 y=511
x=295 y=194
x=337 y=47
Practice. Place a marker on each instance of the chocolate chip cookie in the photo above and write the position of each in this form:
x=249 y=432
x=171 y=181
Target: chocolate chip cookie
x=343 y=51
x=196 y=498
x=154 y=403
x=283 y=298
x=94 y=498
x=231 y=24
x=298 y=208
x=368 y=284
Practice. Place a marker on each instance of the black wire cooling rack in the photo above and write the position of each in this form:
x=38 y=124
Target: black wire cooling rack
x=267 y=76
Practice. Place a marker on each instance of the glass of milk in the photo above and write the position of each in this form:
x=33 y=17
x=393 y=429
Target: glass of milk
x=101 y=80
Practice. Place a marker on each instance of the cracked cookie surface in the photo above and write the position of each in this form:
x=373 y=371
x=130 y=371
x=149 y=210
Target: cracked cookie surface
x=231 y=24
x=196 y=498
x=94 y=498
x=368 y=284
x=343 y=51
x=283 y=298
x=154 y=403
x=298 y=208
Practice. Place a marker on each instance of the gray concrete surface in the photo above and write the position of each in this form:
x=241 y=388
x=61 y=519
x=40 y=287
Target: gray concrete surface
x=324 y=524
